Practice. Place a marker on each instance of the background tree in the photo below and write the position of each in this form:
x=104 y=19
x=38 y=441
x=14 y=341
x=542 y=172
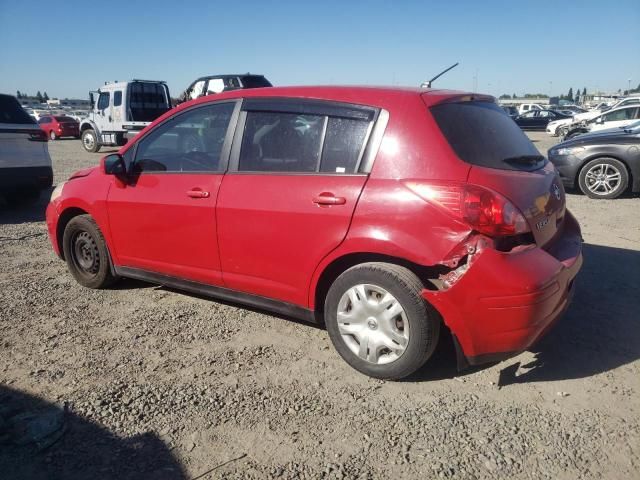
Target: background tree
x=18 y=94
x=584 y=91
x=39 y=96
x=505 y=96
x=514 y=96
x=576 y=98
x=45 y=97
x=570 y=94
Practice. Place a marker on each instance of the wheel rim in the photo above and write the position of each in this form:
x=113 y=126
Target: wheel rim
x=603 y=179
x=52 y=135
x=85 y=254
x=373 y=324
x=88 y=141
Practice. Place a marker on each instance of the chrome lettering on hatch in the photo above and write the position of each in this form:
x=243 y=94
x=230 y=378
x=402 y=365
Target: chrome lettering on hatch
x=542 y=223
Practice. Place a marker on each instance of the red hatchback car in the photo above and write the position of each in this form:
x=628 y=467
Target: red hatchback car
x=387 y=214
x=59 y=126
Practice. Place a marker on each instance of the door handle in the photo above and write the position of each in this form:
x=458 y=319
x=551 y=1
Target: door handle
x=197 y=194
x=326 y=198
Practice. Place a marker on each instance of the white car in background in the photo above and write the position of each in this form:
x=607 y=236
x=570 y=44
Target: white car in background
x=615 y=118
x=25 y=164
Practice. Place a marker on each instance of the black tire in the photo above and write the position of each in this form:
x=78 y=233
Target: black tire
x=86 y=253
x=595 y=167
x=90 y=140
x=405 y=286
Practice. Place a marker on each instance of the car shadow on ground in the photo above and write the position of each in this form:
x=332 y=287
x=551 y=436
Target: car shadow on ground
x=40 y=440
x=599 y=332
x=24 y=210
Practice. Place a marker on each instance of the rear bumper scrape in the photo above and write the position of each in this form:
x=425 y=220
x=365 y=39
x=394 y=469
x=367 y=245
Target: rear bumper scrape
x=504 y=302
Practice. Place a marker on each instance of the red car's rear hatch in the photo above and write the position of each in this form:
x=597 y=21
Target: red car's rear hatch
x=504 y=160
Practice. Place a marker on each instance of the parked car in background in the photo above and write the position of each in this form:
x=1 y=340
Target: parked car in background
x=213 y=84
x=526 y=107
x=386 y=214
x=538 y=119
x=602 y=164
x=25 y=165
x=59 y=126
x=120 y=110
x=511 y=111
x=618 y=117
x=78 y=115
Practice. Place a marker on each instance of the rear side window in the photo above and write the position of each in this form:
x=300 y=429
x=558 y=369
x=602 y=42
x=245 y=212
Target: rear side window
x=482 y=134
x=301 y=143
x=117 y=98
x=343 y=145
x=189 y=142
x=12 y=112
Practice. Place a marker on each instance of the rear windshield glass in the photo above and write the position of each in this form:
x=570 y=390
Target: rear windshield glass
x=64 y=119
x=147 y=101
x=255 y=81
x=12 y=112
x=481 y=133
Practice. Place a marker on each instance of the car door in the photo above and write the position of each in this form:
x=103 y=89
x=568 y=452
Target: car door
x=290 y=192
x=162 y=218
x=527 y=120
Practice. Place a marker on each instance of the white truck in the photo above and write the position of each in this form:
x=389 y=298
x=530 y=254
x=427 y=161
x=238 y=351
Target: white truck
x=119 y=110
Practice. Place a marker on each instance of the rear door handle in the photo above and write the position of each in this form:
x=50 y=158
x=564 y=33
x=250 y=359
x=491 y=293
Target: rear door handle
x=326 y=198
x=197 y=194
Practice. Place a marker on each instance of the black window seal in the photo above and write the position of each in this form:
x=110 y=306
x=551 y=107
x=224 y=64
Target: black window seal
x=226 y=146
x=310 y=107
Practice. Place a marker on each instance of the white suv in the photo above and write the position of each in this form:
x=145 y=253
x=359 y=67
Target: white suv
x=25 y=164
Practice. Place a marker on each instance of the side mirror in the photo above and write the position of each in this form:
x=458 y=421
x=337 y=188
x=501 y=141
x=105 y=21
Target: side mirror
x=114 y=164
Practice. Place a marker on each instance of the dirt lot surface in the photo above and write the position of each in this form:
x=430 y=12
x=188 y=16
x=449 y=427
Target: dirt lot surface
x=164 y=385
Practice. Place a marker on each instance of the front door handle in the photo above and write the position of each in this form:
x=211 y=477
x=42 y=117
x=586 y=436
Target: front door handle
x=326 y=198
x=197 y=194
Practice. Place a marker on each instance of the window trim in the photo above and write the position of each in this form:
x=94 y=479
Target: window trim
x=371 y=144
x=226 y=145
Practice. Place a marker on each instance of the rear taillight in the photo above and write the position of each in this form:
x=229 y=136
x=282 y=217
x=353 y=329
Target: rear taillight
x=38 y=136
x=482 y=209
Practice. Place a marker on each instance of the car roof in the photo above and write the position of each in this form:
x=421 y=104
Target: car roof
x=380 y=96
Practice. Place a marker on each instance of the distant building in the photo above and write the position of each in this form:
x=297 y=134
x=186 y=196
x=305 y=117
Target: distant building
x=69 y=102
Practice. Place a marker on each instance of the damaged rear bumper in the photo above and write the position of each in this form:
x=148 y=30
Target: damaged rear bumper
x=504 y=302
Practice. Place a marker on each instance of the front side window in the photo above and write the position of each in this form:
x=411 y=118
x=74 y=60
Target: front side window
x=103 y=101
x=190 y=142
x=619 y=115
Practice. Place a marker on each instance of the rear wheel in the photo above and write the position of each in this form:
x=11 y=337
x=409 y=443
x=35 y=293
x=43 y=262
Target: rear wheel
x=603 y=178
x=90 y=141
x=86 y=253
x=378 y=321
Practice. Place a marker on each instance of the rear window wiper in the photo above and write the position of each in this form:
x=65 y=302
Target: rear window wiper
x=525 y=160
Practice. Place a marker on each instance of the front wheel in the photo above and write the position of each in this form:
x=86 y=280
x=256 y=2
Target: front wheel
x=378 y=321
x=85 y=251
x=90 y=141
x=603 y=178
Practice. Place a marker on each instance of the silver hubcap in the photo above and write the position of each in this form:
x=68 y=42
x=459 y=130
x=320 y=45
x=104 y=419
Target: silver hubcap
x=88 y=141
x=603 y=179
x=373 y=324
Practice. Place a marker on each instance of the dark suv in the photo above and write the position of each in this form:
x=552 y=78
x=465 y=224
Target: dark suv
x=214 y=84
x=386 y=214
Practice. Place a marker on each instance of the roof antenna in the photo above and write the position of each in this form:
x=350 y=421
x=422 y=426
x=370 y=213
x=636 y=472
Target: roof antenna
x=428 y=83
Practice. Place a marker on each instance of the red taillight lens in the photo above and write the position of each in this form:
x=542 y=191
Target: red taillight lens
x=484 y=210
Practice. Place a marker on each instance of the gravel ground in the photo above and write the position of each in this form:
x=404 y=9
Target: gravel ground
x=163 y=385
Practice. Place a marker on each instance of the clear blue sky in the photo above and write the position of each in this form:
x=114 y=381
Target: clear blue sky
x=68 y=47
